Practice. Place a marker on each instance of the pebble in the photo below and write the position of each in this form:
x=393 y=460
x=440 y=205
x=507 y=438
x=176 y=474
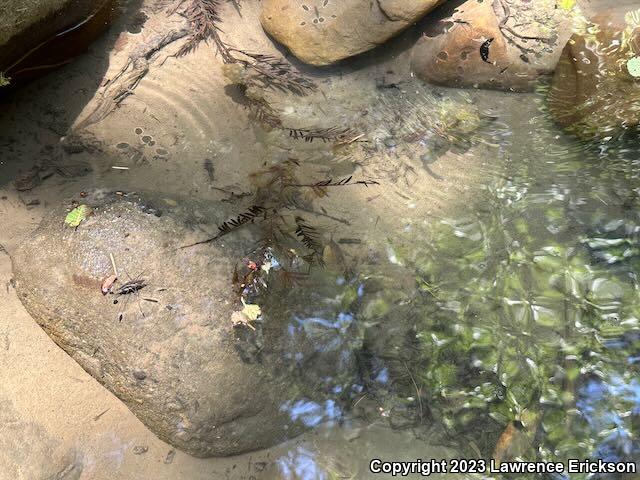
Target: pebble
x=390 y=142
x=140 y=449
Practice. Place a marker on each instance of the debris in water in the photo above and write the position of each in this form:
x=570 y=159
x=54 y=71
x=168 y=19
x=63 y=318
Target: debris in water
x=140 y=449
x=230 y=225
x=208 y=166
x=335 y=134
x=28 y=180
x=107 y=284
x=251 y=311
x=169 y=458
x=484 y=50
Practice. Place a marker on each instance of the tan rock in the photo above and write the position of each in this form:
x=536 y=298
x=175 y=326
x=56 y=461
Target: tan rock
x=494 y=44
x=321 y=32
x=593 y=92
x=176 y=359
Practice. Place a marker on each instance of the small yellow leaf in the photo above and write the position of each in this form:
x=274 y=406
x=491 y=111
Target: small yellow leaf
x=567 y=4
x=251 y=311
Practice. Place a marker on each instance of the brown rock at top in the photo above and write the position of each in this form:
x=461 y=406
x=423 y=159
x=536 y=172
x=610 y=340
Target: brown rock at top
x=594 y=93
x=321 y=32
x=29 y=29
x=494 y=44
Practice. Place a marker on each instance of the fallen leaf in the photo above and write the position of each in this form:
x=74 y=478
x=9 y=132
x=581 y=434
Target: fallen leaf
x=107 y=284
x=251 y=311
x=76 y=216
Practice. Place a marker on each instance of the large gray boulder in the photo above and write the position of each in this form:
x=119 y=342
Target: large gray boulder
x=321 y=32
x=172 y=353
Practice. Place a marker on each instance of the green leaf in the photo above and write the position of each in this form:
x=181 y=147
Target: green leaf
x=76 y=216
x=633 y=66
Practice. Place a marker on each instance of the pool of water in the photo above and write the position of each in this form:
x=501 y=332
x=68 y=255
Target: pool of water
x=454 y=276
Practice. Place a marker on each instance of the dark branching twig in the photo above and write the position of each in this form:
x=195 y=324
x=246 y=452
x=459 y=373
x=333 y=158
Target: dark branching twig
x=127 y=79
x=331 y=134
x=308 y=235
x=329 y=182
x=263 y=112
x=246 y=217
x=233 y=224
x=273 y=72
x=278 y=190
x=204 y=17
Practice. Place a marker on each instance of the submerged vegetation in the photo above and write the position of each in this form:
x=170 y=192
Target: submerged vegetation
x=280 y=199
x=527 y=317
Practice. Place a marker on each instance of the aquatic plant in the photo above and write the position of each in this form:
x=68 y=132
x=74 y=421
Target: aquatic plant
x=272 y=72
x=517 y=326
x=203 y=17
x=279 y=200
x=268 y=71
x=331 y=134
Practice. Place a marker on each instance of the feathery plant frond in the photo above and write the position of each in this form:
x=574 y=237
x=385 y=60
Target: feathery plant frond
x=274 y=72
x=308 y=235
x=204 y=17
x=234 y=223
x=331 y=134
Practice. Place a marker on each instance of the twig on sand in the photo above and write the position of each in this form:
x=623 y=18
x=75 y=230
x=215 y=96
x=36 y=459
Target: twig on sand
x=97 y=417
x=127 y=79
x=113 y=264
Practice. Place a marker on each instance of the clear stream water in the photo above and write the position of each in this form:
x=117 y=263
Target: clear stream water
x=509 y=328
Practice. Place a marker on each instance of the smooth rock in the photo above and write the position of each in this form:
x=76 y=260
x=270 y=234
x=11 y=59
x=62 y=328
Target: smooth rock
x=194 y=379
x=594 y=92
x=322 y=32
x=30 y=40
x=496 y=44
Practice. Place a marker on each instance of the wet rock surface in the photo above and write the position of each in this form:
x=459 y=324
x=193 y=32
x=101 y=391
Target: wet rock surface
x=596 y=88
x=493 y=44
x=170 y=350
x=321 y=32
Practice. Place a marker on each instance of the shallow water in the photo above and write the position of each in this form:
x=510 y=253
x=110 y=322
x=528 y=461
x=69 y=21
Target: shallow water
x=478 y=298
